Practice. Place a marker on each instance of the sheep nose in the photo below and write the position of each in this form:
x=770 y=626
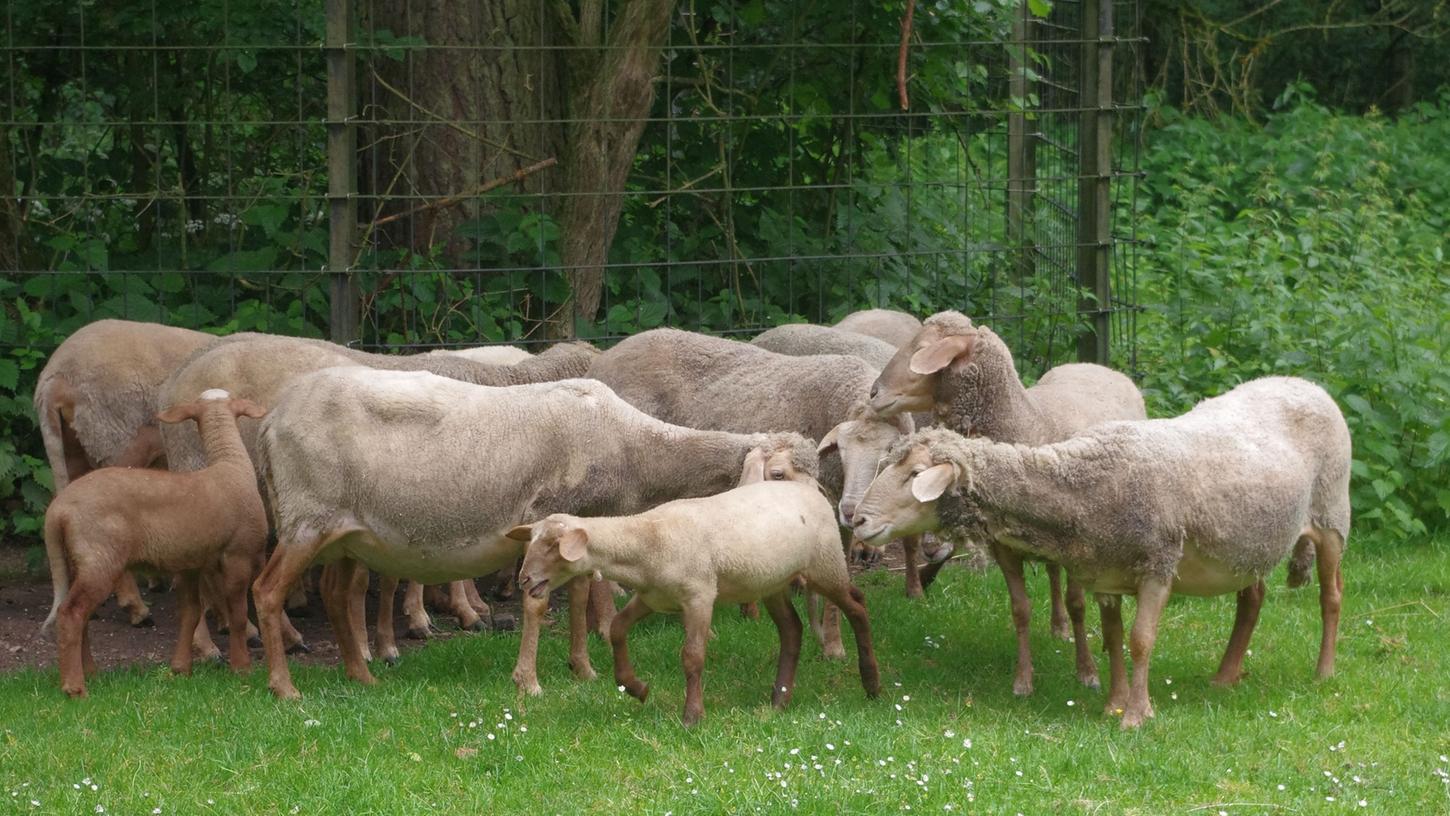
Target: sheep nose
x=857 y=521
x=875 y=389
x=848 y=511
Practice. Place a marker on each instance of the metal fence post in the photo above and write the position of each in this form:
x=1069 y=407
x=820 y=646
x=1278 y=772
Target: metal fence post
x=1095 y=178
x=341 y=173
x=1021 y=152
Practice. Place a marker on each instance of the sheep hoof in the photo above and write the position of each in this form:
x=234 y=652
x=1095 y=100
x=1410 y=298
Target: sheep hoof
x=417 y=633
x=504 y=622
x=300 y=647
x=144 y=622
x=216 y=660
x=692 y=718
x=75 y=692
x=640 y=691
x=254 y=642
x=1022 y=687
x=287 y=692
x=1062 y=631
x=477 y=626
x=391 y=658
x=1090 y=680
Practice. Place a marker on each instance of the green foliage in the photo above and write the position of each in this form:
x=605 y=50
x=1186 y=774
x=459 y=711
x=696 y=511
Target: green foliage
x=1315 y=246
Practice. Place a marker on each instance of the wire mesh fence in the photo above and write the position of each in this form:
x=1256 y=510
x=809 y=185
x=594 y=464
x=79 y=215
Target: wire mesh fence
x=393 y=173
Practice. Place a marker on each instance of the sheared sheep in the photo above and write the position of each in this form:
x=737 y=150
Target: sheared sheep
x=896 y=328
x=964 y=374
x=685 y=556
x=1203 y=504
x=419 y=476
x=95 y=405
x=210 y=520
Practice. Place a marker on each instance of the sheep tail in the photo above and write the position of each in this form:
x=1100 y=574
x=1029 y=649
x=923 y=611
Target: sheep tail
x=59 y=574
x=1301 y=562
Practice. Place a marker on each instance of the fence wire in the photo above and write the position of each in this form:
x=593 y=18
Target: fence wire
x=403 y=174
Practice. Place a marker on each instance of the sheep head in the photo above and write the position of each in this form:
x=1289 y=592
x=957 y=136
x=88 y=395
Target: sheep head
x=909 y=380
x=780 y=457
x=902 y=499
x=862 y=442
x=556 y=547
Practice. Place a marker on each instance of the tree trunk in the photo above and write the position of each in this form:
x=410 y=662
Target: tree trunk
x=482 y=104
x=611 y=91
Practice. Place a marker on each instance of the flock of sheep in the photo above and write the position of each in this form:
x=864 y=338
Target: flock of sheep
x=681 y=466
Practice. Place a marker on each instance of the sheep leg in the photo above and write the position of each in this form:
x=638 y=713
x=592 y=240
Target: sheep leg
x=419 y=624
x=852 y=602
x=387 y=643
x=697 y=614
x=601 y=607
x=188 y=593
x=470 y=591
x=459 y=607
x=88 y=659
x=632 y=613
x=1011 y=564
x=1087 y=668
x=526 y=675
x=910 y=548
x=128 y=597
x=269 y=593
x=71 y=635
x=357 y=608
x=1246 y=615
x=1153 y=595
x=788 y=626
x=750 y=611
x=1329 y=549
x=1059 y=623
x=337 y=591
x=579 y=597
x=290 y=636
x=234 y=577
x=1110 y=608
x=201 y=643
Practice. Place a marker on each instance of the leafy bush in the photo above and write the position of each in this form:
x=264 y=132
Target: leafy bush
x=1313 y=245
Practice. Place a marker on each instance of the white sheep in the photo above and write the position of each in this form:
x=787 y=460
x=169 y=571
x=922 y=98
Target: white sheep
x=1203 y=504
x=96 y=404
x=420 y=476
x=896 y=328
x=685 y=556
x=206 y=521
x=965 y=375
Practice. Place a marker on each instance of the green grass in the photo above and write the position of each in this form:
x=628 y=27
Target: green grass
x=214 y=743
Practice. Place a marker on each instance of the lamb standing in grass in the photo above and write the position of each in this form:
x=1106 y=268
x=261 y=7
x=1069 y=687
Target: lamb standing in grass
x=420 y=476
x=206 y=521
x=1203 y=504
x=964 y=374
x=740 y=546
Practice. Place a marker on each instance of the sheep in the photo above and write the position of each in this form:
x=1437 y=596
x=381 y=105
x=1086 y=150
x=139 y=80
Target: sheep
x=702 y=381
x=965 y=375
x=860 y=439
x=496 y=355
x=1202 y=504
x=207 y=521
x=685 y=556
x=95 y=405
x=419 y=476
x=896 y=328
x=258 y=365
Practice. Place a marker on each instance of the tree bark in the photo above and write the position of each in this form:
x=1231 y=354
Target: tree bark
x=611 y=92
x=482 y=101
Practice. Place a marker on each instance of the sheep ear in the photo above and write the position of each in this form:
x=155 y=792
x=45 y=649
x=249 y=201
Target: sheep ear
x=177 y=413
x=523 y=532
x=754 y=468
x=932 y=482
x=828 y=442
x=247 y=408
x=573 y=544
x=941 y=354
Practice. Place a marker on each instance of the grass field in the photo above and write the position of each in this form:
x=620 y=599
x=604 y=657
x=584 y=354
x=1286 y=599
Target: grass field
x=444 y=732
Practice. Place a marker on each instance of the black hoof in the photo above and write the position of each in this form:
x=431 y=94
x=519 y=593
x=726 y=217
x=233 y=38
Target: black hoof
x=391 y=660
x=477 y=626
x=416 y=633
x=504 y=622
x=145 y=622
x=254 y=642
x=299 y=648
x=217 y=659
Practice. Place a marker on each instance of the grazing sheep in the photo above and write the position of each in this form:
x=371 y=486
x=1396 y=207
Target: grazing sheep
x=685 y=556
x=419 y=476
x=257 y=366
x=964 y=374
x=896 y=328
x=1203 y=504
x=95 y=405
x=208 y=521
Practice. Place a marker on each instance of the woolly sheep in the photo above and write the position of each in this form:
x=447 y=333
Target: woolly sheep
x=896 y=328
x=1203 y=504
x=419 y=476
x=205 y=521
x=965 y=375
x=96 y=404
x=685 y=556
